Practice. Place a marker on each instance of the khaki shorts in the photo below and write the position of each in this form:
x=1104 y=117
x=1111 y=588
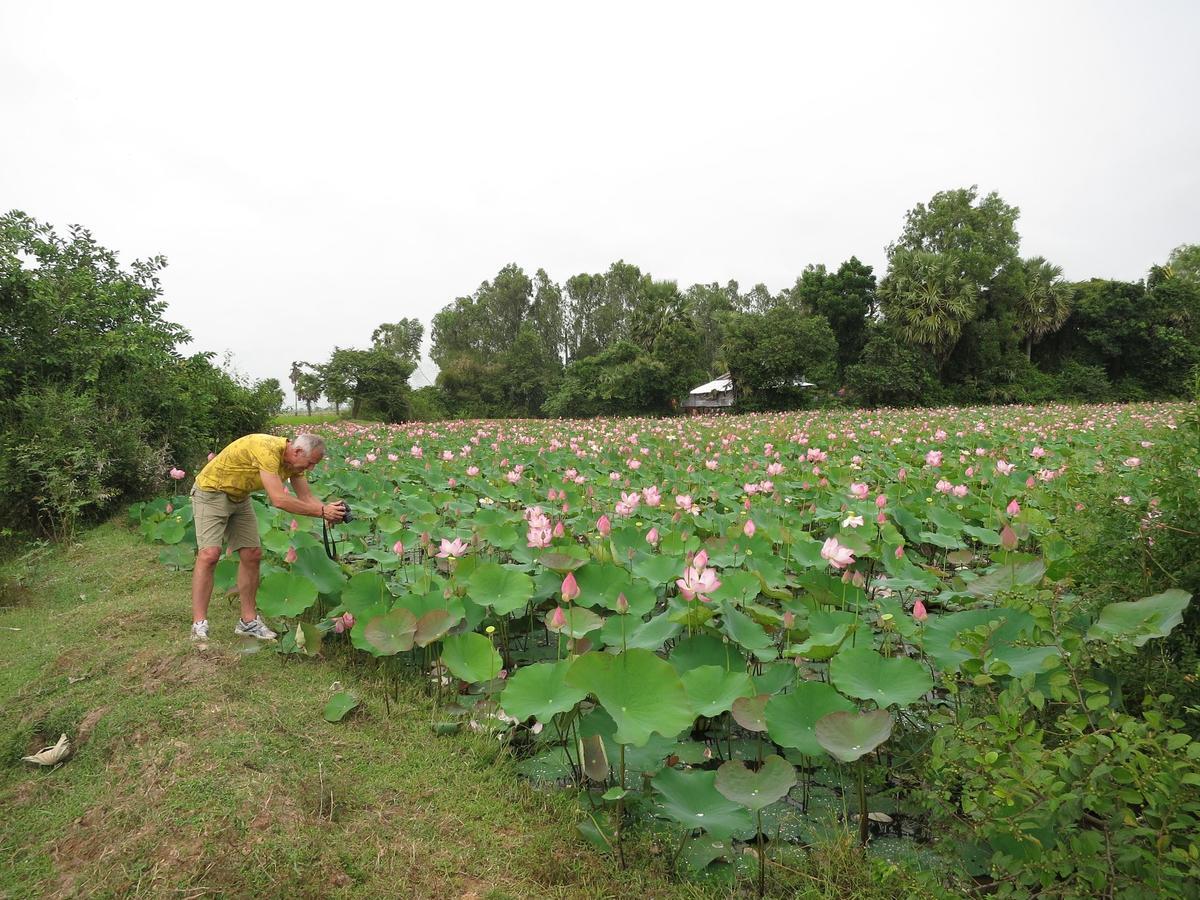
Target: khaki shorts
x=218 y=519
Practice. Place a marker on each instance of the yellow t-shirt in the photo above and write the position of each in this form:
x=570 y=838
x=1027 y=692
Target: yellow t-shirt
x=235 y=470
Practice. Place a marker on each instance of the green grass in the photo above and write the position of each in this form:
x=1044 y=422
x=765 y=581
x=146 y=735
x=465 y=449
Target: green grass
x=212 y=773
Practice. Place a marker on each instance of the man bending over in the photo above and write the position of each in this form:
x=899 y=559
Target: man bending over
x=222 y=512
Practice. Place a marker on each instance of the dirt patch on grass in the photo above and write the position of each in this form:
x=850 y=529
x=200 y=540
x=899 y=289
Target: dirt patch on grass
x=156 y=670
x=14 y=593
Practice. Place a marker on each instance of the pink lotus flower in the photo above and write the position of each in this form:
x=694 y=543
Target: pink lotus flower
x=178 y=474
x=1004 y=468
x=559 y=531
x=711 y=464
x=170 y=508
x=1037 y=452
x=789 y=619
x=210 y=456
x=943 y=486
x=880 y=501
x=919 y=612
x=558 y=619
x=651 y=496
x=348 y=619
x=959 y=490
x=933 y=458
x=852 y=521
x=902 y=475
x=472 y=471
x=775 y=469
x=838 y=556
x=1013 y=508
x=652 y=537
x=900 y=552
x=697 y=583
x=513 y=477
x=603 y=526
x=371 y=457
x=398 y=548
x=355 y=463
x=622 y=605
x=749 y=528
x=392 y=457
x=338 y=625
x=290 y=556
x=452 y=549
x=1132 y=461
x=570 y=587
x=700 y=560
x=859 y=491
x=539 y=538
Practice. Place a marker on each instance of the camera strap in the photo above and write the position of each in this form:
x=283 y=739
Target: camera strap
x=328 y=540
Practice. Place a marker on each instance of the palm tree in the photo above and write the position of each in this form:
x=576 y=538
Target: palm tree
x=1044 y=303
x=928 y=299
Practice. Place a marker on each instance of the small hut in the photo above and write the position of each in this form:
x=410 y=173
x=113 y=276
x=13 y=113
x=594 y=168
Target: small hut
x=716 y=395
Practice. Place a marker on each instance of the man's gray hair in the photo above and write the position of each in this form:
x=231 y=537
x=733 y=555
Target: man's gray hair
x=310 y=444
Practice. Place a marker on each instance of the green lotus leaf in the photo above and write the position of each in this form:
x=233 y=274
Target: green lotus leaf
x=850 y=735
x=1141 y=620
x=792 y=718
x=746 y=632
x=713 y=689
x=636 y=633
x=821 y=646
x=504 y=590
x=941 y=631
x=658 y=569
x=339 y=705
x=285 y=594
x=641 y=692
x=692 y=799
x=471 y=657
x=391 y=633
x=707 y=650
x=751 y=712
x=564 y=559
x=737 y=586
x=433 y=626
x=170 y=530
x=177 y=556
x=602 y=583
x=312 y=563
x=754 y=790
x=577 y=622
x=865 y=674
x=1006 y=577
x=775 y=677
x=364 y=591
x=540 y=690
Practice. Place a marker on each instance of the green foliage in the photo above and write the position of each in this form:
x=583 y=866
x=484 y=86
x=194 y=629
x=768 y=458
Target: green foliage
x=620 y=379
x=86 y=338
x=769 y=354
x=891 y=372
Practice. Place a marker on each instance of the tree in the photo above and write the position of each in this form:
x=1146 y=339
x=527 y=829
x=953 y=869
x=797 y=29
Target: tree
x=374 y=381
x=402 y=338
x=308 y=388
x=846 y=298
x=1184 y=263
x=928 y=300
x=1044 y=302
x=769 y=355
x=892 y=372
x=621 y=379
x=981 y=237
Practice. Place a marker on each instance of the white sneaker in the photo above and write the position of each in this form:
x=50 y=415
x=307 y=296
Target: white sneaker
x=200 y=630
x=256 y=629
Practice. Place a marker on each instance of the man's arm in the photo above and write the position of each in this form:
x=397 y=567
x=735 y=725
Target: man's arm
x=331 y=511
x=304 y=503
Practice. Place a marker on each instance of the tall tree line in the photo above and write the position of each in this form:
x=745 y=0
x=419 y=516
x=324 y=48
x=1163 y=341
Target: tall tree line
x=959 y=316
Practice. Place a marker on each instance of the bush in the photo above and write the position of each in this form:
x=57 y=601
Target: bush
x=68 y=457
x=892 y=373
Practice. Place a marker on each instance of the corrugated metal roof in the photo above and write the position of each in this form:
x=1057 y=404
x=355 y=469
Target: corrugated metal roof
x=724 y=383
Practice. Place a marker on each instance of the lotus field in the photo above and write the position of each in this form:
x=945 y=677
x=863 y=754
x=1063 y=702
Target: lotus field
x=739 y=630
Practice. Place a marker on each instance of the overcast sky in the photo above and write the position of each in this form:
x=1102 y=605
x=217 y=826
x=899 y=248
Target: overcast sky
x=313 y=170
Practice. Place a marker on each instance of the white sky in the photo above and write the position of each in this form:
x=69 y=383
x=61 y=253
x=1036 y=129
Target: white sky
x=313 y=170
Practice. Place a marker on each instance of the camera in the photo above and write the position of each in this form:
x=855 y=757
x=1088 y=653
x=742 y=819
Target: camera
x=347 y=516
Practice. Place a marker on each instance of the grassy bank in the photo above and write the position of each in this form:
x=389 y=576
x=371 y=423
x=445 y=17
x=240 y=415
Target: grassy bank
x=213 y=773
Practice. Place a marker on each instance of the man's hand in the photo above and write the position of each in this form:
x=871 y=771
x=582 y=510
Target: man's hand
x=334 y=511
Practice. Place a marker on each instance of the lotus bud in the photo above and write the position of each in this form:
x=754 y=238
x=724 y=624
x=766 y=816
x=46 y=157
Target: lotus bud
x=1013 y=508
x=290 y=556
x=603 y=526
x=919 y=612
x=558 y=618
x=570 y=588
x=748 y=529
x=622 y=604
x=398 y=548
x=789 y=619
x=559 y=531
x=1008 y=538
